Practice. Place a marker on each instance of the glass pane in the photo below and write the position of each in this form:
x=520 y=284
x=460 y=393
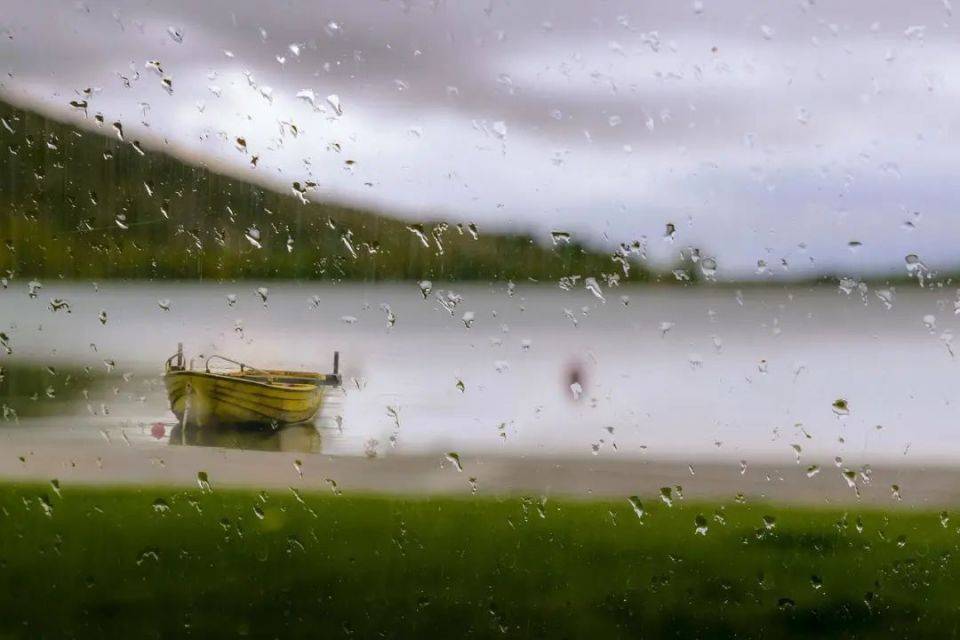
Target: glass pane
x=481 y=318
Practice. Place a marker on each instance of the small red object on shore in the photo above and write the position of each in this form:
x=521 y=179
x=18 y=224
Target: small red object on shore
x=158 y=430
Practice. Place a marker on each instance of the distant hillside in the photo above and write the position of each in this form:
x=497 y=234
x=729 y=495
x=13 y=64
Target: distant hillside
x=80 y=204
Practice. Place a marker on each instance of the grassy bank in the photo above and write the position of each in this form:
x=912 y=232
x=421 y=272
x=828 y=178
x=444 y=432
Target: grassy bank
x=155 y=562
x=30 y=390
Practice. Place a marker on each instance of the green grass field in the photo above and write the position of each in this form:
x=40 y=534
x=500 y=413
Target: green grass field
x=82 y=562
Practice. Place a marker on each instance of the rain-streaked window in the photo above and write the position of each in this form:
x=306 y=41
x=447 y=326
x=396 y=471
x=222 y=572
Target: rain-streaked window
x=426 y=318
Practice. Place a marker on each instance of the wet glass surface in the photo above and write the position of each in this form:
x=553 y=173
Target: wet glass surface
x=496 y=319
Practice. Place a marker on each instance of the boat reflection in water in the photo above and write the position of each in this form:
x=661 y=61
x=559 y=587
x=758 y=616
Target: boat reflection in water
x=300 y=438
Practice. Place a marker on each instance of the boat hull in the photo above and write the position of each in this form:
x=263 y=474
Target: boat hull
x=203 y=398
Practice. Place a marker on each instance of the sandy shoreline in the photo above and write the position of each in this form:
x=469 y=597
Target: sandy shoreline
x=101 y=464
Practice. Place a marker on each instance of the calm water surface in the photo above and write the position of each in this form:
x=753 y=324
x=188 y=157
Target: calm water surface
x=665 y=373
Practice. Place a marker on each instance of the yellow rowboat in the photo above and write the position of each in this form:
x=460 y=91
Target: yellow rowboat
x=245 y=395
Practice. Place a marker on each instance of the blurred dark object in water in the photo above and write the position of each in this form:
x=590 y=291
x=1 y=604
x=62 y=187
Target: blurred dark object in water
x=575 y=380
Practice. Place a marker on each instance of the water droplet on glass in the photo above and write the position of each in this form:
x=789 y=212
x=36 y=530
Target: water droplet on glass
x=700 y=524
x=310 y=97
x=334 y=101
x=885 y=296
x=425 y=288
x=670 y=232
x=417 y=230
x=666 y=495
x=253 y=237
x=46 y=505
x=840 y=407
x=391 y=317
x=59 y=304
x=915 y=266
x=454 y=457
x=637 y=507
x=576 y=390
x=796 y=451
x=708 y=267
x=851 y=477
x=593 y=287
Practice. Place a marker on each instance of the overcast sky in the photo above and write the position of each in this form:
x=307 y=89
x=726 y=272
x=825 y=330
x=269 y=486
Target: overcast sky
x=773 y=131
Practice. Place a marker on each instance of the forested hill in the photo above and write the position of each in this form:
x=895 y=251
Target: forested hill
x=82 y=203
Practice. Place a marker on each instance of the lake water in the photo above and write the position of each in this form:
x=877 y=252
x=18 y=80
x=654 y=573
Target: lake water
x=682 y=374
